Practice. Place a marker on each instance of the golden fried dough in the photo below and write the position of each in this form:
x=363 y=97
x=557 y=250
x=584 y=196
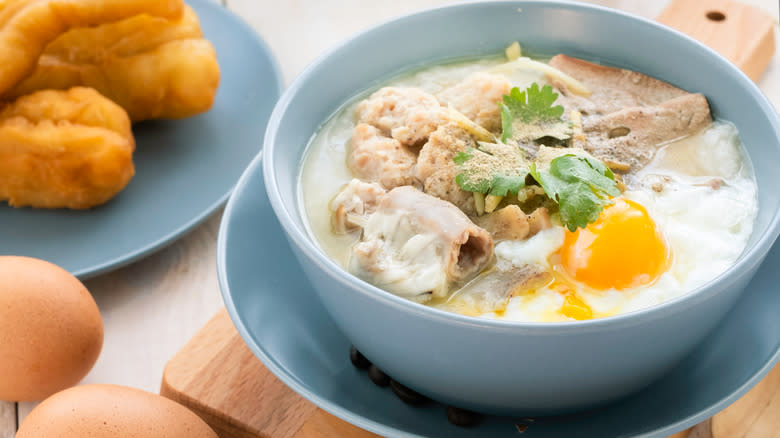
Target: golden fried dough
x=70 y=149
x=28 y=26
x=152 y=67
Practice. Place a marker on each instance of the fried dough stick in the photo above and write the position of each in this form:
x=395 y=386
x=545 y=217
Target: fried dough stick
x=60 y=149
x=28 y=26
x=152 y=67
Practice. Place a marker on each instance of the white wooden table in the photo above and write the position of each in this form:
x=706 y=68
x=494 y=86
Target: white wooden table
x=151 y=308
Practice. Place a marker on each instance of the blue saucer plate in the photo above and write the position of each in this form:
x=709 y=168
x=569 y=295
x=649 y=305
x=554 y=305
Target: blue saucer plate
x=281 y=319
x=185 y=169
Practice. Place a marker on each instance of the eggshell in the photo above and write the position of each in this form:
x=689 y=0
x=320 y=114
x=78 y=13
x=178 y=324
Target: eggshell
x=51 y=332
x=103 y=411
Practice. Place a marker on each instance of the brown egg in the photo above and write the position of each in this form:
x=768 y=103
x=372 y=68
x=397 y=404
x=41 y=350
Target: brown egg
x=110 y=411
x=51 y=332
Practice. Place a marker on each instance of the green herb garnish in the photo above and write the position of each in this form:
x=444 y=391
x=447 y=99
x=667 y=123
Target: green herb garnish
x=493 y=169
x=530 y=115
x=581 y=185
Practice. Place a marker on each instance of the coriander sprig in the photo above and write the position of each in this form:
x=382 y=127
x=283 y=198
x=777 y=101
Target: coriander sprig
x=493 y=169
x=530 y=115
x=581 y=186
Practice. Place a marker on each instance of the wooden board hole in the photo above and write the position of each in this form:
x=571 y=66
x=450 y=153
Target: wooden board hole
x=716 y=16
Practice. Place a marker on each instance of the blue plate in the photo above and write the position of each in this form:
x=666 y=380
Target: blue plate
x=185 y=169
x=281 y=319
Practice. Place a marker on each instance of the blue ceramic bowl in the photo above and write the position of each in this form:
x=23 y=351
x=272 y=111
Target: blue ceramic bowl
x=498 y=366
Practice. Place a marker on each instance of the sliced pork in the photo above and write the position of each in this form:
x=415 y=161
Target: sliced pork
x=477 y=98
x=408 y=115
x=418 y=246
x=491 y=291
x=511 y=223
x=375 y=157
x=629 y=115
x=626 y=140
x=351 y=207
x=613 y=89
x=436 y=170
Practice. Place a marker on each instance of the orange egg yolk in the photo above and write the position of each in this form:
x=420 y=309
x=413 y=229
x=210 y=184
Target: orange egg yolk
x=621 y=250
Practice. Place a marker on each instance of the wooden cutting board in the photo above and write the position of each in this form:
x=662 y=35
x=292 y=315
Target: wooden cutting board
x=743 y=34
x=218 y=377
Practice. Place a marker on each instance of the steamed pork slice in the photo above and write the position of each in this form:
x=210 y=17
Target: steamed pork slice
x=417 y=246
x=436 y=168
x=443 y=186
x=375 y=157
x=511 y=223
x=539 y=221
x=508 y=223
x=491 y=291
x=408 y=115
x=353 y=204
x=477 y=98
x=628 y=139
x=442 y=146
x=613 y=88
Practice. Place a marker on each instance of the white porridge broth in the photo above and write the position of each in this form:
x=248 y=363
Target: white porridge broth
x=535 y=190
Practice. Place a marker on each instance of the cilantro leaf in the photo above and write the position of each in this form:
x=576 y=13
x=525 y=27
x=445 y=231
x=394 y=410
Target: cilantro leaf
x=582 y=187
x=506 y=118
x=469 y=183
x=582 y=168
x=461 y=157
x=529 y=115
x=536 y=107
x=503 y=184
x=494 y=168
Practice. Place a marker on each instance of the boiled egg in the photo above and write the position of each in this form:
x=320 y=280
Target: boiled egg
x=623 y=248
x=684 y=219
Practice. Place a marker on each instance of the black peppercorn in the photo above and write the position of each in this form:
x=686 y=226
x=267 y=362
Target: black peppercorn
x=407 y=395
x=358 y=359
x=461 y=417
x=378 y=377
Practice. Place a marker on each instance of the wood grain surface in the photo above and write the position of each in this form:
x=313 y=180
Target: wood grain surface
x=153 y=307
x=7 y=419
x=756 y=415
x=217 y=376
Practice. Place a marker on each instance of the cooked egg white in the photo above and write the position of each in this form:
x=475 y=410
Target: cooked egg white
x=700 y=194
